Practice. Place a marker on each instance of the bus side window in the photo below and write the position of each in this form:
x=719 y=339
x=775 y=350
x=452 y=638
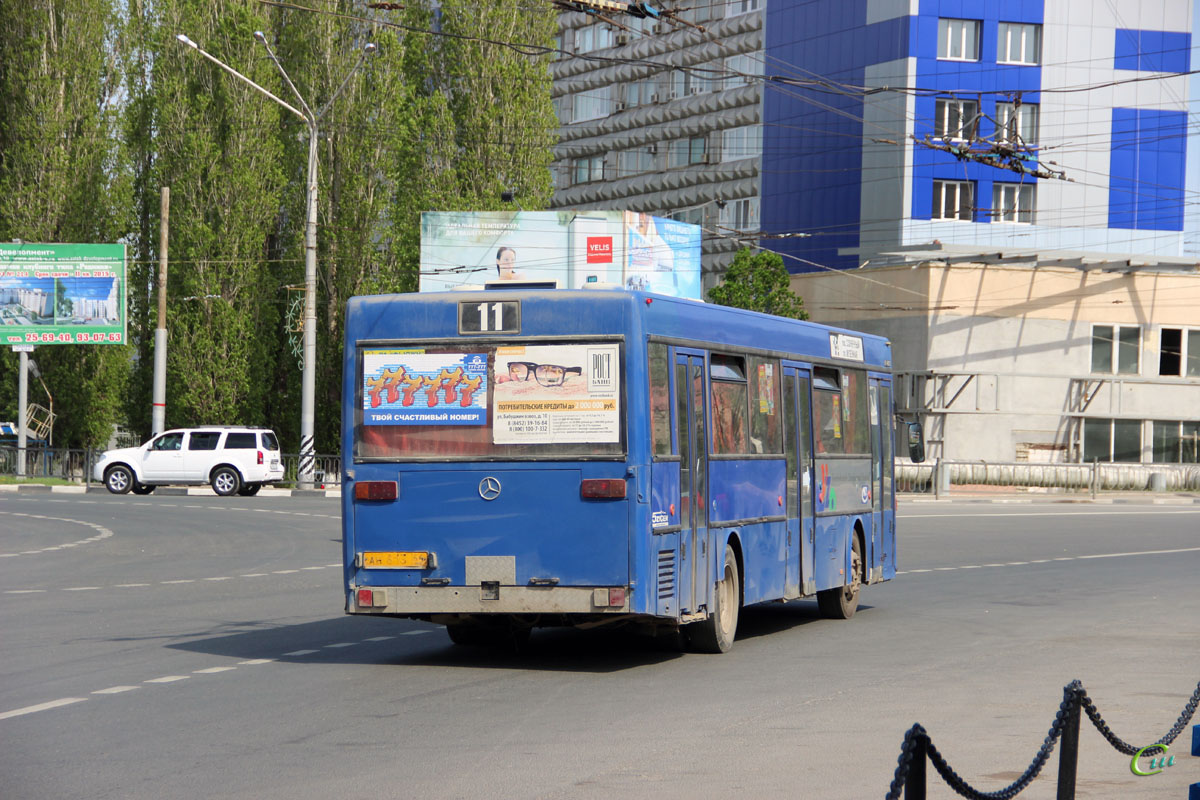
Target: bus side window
x=827 y=412
x=730 y=398
x=765 y=433
x=660 y=400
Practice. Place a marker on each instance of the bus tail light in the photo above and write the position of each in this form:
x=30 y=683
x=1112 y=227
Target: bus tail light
x=372 y=598
x=376 y=490
x=602 y=488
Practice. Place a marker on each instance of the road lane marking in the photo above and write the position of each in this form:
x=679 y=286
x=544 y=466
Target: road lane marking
x=1047 y=560
x=123 y=688
x=103 y=533
x=224 y=578
x=180 y=580
x=66 y=701
x=130 y=585
x=284 y=571
x=255 y=575
x=25 y=591
x=174 y=582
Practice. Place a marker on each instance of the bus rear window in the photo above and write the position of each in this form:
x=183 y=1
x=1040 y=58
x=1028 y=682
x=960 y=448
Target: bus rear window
x=470 y=401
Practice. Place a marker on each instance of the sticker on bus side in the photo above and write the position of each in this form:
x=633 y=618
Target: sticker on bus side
x=412 y=387
x=556 y=394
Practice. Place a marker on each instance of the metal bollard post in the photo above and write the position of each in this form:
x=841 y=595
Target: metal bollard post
x=914 y=783
x=1068 y=756
x=1194 y=789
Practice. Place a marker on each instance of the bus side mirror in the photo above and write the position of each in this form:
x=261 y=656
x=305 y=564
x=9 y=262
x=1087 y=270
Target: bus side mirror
x=916 y=442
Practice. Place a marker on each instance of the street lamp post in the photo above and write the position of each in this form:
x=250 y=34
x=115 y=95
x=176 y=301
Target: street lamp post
x=304 y=472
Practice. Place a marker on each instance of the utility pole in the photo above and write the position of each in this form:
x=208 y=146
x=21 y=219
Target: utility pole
x=22 y=409
x=308 y=380
x=158 y=415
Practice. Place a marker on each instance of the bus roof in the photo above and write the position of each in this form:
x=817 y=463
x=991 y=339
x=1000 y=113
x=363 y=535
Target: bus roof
x=565 y=312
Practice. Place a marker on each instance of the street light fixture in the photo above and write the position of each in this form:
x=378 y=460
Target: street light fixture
x=304 y=473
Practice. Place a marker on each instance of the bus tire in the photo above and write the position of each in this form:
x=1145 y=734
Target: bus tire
x=716 y=634
x=841 y=603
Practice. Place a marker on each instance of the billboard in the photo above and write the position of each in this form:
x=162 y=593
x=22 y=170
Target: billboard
x=62 y=294
x=565 y=249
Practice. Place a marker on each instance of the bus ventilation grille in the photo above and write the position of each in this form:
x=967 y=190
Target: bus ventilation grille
x=666 y=573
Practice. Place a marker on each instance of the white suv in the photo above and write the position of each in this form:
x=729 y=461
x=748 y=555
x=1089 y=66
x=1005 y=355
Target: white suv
x=233 y=460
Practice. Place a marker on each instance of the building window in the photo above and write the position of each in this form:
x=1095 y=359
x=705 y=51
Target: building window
x=735 y=7
x=740 y=215
x=958 y=39
x=953 y=200
x=589 y=169
x=640 y=93
x=692 y=216
x=688 y=151
x=1013 y=202
x=742 y=69
x=1179 y=352
x=637 y=160
x=686 y=82
x=954 y=118
x=1019 y=43
x=1112 y=440
x=1017 y=123
x=1176 y=442
x=744 y=142
x=1115 y=349
x=592 y=104
x=593 y=37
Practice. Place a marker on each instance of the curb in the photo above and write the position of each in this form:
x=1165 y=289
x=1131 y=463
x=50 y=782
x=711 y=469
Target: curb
x=168 y=491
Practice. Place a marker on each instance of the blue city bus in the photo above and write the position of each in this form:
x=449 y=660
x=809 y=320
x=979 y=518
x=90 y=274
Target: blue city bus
x=516 y=459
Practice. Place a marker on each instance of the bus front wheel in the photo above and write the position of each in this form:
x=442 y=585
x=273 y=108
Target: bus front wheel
x=716 y=634
x=841 y=603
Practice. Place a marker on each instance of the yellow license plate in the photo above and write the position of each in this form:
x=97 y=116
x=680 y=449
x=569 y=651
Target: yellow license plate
x=395 y=560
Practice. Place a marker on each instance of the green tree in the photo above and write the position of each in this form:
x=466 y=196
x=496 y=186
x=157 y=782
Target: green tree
x=758 y=281
x=214 y=141
x=63 y=178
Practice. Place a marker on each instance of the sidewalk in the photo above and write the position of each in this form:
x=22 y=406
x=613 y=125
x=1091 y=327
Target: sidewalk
x=1028 y=495
x=170 y=491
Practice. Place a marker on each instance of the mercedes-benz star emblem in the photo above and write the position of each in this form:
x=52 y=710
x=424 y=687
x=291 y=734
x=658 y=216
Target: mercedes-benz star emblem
x=489 y=488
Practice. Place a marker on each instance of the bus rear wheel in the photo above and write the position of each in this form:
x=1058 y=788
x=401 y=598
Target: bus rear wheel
x=716 y=634
x=841 y=603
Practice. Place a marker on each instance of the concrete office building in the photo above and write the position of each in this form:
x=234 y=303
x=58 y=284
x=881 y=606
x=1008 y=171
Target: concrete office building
x=837 y=159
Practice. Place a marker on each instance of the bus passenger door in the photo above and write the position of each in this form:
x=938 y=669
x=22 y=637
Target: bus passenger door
x=797 y=403
x=880 y=454
x=692 y=436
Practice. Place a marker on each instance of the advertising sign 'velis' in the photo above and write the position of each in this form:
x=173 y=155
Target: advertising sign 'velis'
x=558 y=250
x=62 y=294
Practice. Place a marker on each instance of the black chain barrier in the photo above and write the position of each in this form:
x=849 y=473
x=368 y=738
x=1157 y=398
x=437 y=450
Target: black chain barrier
x=917 y=745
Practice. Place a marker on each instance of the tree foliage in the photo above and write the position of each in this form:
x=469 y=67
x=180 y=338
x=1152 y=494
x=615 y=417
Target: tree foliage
x=758 y=281
x=63 y=179
x=103 y=107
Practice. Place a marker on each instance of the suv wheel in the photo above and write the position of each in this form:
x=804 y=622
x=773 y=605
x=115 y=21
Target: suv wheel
x=226 y=481
x=119 y=479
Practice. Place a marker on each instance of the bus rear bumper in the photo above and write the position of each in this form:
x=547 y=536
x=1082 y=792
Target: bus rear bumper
x=488 y=599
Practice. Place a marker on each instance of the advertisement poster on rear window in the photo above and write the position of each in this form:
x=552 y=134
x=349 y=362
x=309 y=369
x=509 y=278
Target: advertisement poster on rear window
x=556 y=394
x=412 y=387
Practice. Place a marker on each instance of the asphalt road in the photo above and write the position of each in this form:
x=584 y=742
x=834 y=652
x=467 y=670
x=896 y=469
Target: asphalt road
x=182 y=647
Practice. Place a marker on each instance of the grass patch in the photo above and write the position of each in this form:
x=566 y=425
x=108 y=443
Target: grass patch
x=10 y=479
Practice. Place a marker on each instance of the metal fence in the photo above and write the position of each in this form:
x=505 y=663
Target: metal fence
x=947 y=477
x=937 y=477
x=76 y=465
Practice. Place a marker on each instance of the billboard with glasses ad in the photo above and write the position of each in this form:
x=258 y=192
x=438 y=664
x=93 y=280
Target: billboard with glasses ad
x=559 y=249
